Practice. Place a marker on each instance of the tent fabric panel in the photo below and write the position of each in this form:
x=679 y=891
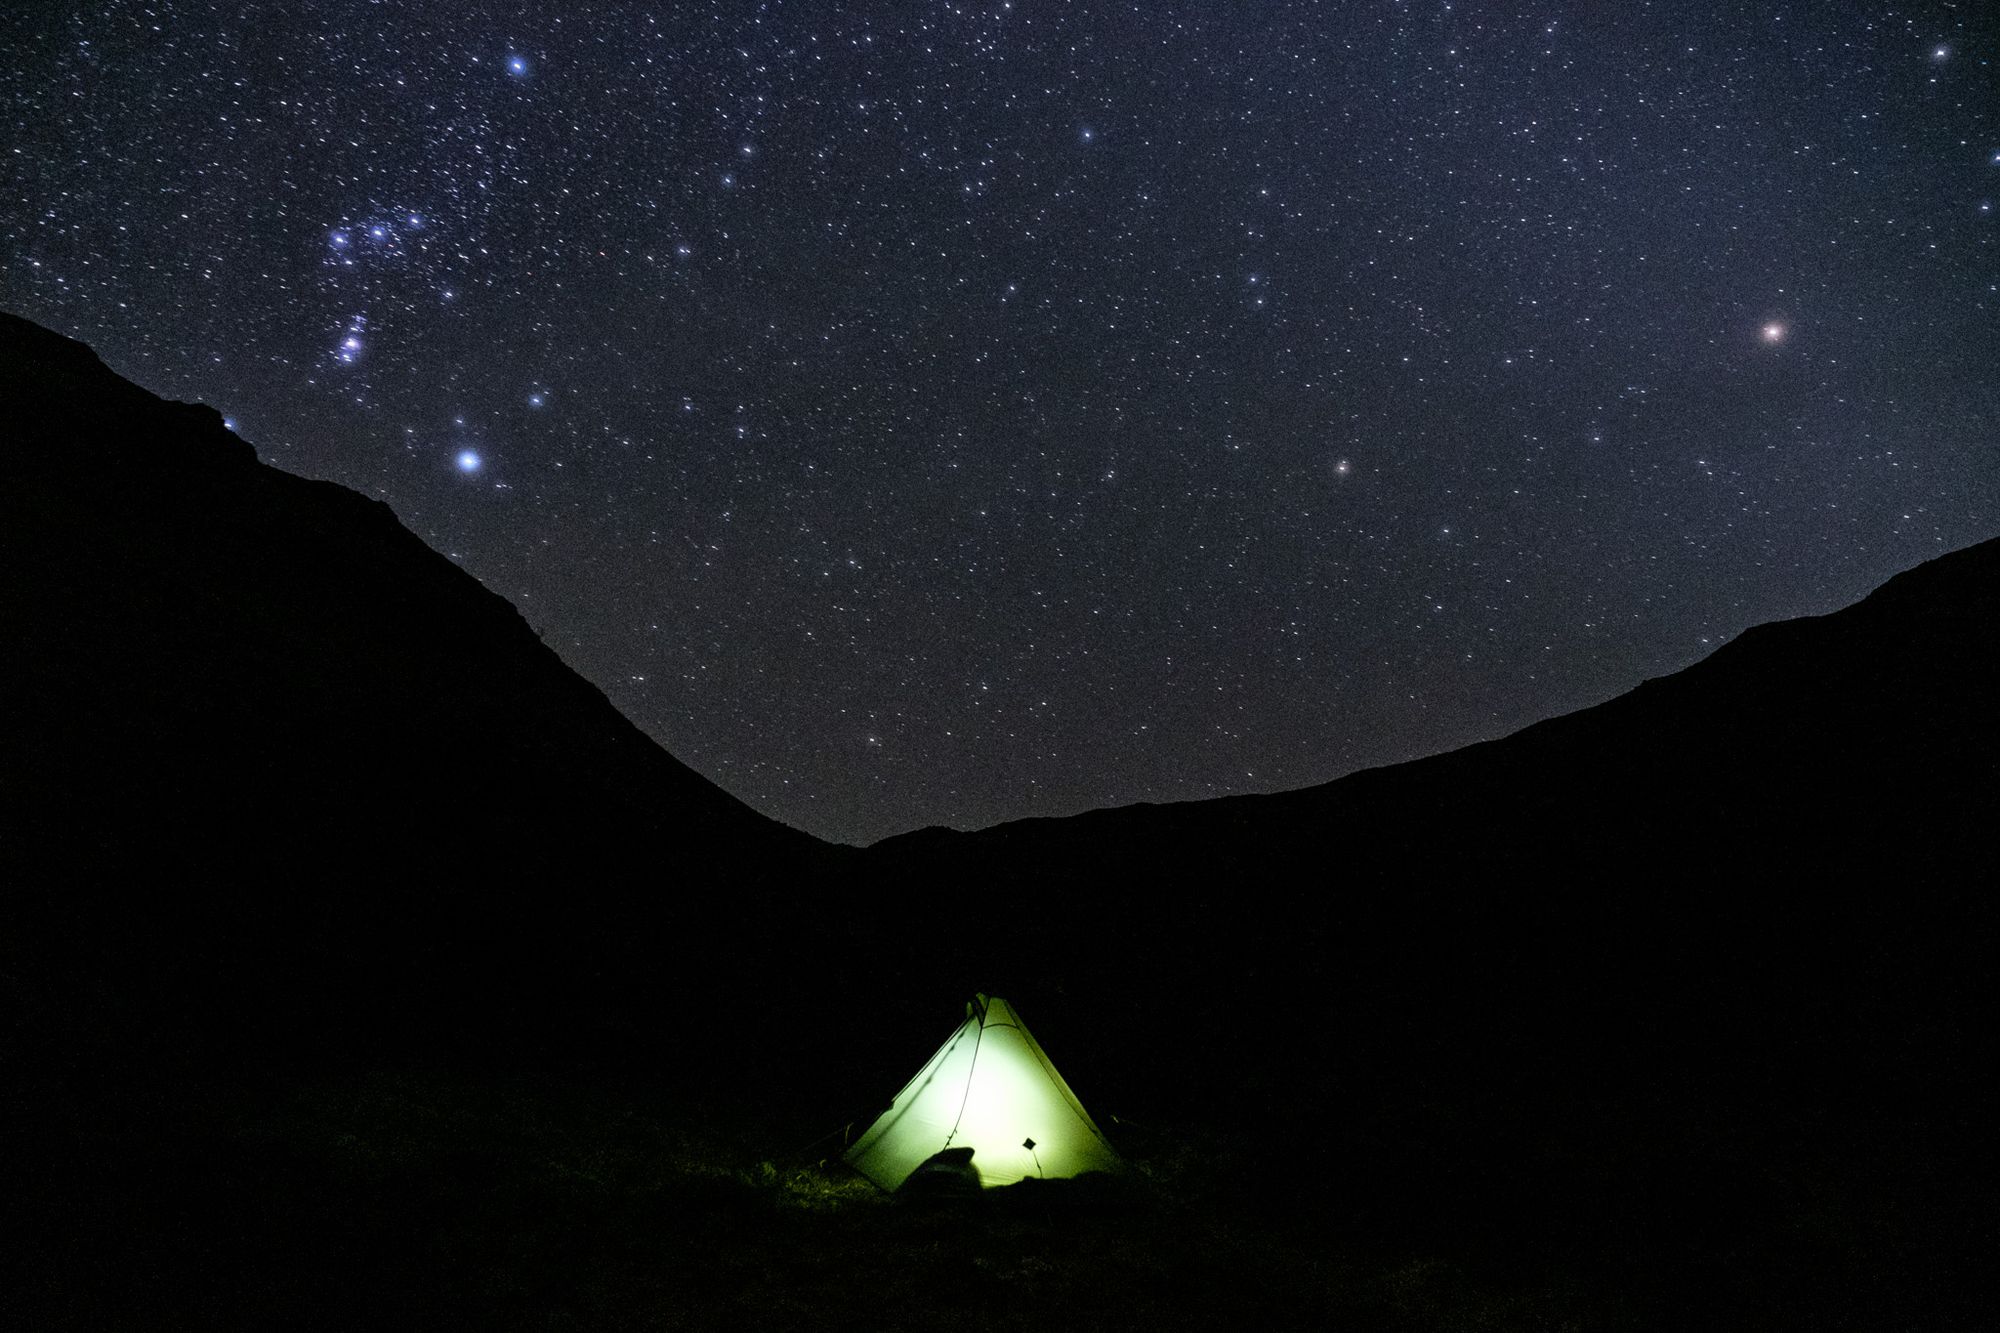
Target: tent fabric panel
x=921 y=1117
x=1011 y=1100
x=1061 y=1083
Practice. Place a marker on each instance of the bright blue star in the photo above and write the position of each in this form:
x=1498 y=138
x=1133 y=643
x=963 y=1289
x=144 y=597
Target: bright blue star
x=536 y=400
x=517 y=66
x=468 y=461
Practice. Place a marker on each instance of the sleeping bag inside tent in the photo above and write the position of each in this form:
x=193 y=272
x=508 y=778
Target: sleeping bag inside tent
x=989 y=1089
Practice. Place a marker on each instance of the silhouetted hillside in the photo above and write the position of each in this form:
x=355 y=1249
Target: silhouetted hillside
x=192 y=634
x=1798 y=747
x=1832 y=777
x=252 y=725
x=1778 y=855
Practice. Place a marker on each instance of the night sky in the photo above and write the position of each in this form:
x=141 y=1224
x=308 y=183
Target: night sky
x=930 y=413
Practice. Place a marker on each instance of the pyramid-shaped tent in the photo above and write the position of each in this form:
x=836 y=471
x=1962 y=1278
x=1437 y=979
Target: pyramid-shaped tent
x=990 y=1089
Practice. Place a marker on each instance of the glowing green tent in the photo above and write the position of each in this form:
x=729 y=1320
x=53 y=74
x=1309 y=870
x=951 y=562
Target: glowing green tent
x=989 y=1089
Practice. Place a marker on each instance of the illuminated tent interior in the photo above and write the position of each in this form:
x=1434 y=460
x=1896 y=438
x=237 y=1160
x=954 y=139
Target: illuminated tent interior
x=990 y=1089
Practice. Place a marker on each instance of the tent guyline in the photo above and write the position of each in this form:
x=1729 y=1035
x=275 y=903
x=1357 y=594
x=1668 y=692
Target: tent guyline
x=959 y=1119
x=991 y=1099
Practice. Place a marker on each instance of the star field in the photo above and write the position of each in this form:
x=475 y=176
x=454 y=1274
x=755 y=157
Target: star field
x=944 y=413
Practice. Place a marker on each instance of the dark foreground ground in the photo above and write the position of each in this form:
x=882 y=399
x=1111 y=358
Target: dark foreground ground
x=418 y=1198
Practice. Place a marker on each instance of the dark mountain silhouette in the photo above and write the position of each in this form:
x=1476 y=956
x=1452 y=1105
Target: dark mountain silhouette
x=1828 y=777
x=1676 y=1003
x=192 y=633
x=252 y=725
